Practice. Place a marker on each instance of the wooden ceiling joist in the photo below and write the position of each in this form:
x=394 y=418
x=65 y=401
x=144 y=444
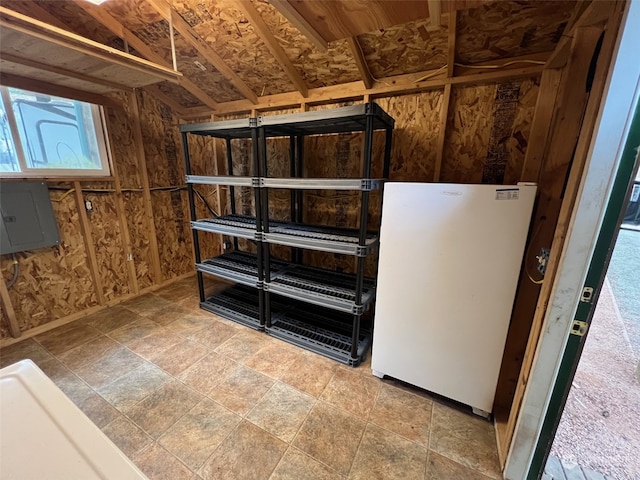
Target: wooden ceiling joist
x=164 y=98
x=361 y=61
x=104 y=18
x=183 y=28
x=400 y=84
x=58 y=53
x=272 y=44
x=301 y=23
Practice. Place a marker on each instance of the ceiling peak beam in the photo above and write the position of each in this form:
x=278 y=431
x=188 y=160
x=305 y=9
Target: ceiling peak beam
x=102 y=17
x=272 y=44
x=361 y=61
x=298 y=21
x=183 y=28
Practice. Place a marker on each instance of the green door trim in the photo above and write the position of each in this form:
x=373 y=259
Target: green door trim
x=596 y=273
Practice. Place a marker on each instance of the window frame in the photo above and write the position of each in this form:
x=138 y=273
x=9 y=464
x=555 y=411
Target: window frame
x=102 y=140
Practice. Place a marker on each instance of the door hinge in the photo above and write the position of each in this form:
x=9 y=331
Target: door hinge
x=579 y=328
x=587 y=294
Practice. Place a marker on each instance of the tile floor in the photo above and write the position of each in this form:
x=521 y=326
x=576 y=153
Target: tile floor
x=189 y=395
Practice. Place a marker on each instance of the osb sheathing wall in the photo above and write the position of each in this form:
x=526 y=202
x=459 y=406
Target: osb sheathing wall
x=58 y=282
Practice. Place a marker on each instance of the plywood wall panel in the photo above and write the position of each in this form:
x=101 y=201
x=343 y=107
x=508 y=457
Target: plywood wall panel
x=109 y=245
x=138 y=231
x=122 y=143
x=468 y=129
x=415 y=135
x=488 y=125
x=516 y=144
x=174 y=233
x=54 y=282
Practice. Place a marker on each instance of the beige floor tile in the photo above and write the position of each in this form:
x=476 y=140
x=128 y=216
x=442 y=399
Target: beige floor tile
x=311 y=374
x=208 y=372
x=147 y=304
x=403 y=413
x=331 y=436
x=248 y=453
x=178 y=291
x=162 y=408
x=352 y=392
x=61 y=339
x=99 y=411
x=26 y=349
x=274 y=358
x=242 y=389
x=441 y=468
x=158 y=464
x=214 y=334
x=129 y=389
x=198 y=433
x=295 y=465
x=190 y=324
x=181 y=356
x=111 y=318
x=242 y=345
x=89 y=352
x=158 y=341
x=127 y=436
x=383 y=455
x=465 y=439
x=134 y=330
x=281 y=411
x=70 y=384
x=168 y=315
x=110 y=367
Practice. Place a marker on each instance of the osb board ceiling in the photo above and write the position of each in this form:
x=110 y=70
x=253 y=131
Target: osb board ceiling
x=233 y=38
x=348 y=18
x=408 y=48
x=510 y=29
x=70 y=16
x=139 y=17
x=319 y=69
x=492 y=31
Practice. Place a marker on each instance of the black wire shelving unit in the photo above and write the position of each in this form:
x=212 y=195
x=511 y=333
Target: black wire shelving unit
x=318 y=309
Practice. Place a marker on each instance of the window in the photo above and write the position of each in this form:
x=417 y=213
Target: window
x=46 y=136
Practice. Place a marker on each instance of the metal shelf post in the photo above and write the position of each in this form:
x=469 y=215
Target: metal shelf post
x=192 y=210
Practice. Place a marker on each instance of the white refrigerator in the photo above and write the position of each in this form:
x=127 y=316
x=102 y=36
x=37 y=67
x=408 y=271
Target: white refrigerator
x=450 y=257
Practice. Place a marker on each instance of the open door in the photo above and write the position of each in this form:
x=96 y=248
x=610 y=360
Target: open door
x=615 y=213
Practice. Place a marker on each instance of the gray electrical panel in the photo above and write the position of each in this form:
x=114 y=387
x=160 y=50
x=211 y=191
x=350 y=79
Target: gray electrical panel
x=28 y=221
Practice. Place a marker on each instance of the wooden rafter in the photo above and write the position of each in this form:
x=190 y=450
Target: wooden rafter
x=361 y=61
x=183 y=28
x=272 y=44
x=414 y=82
x=298 y=21
x=102 y=17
